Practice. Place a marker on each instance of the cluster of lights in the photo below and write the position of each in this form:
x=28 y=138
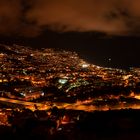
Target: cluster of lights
x=62 y=81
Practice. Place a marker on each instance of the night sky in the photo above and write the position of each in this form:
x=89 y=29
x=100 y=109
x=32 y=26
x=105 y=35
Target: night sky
x=104 y=32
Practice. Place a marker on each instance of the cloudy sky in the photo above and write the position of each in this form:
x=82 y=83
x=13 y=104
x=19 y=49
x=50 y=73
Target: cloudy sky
x=74 y=25
x=31 y=17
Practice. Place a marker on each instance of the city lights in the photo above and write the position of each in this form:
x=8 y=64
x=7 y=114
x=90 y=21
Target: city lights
x=62 y=81
x=45 y=79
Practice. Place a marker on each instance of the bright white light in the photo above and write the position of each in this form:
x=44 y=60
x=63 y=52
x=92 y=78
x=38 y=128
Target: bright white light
x=85 y=65
x=22 y=94
x=62 y=81
x=42 y=94
x=31 y=54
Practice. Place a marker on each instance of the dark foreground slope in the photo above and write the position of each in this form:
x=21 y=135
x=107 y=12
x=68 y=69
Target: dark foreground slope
x=109 y=125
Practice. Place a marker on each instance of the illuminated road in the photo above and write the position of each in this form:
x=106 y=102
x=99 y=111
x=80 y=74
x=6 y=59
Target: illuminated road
x=85 y=105
x=17 y=101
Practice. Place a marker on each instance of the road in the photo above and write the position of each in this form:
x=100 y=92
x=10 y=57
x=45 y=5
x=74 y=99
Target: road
x=85 y=105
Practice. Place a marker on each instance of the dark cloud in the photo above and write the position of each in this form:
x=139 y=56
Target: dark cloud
x=118 y=17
